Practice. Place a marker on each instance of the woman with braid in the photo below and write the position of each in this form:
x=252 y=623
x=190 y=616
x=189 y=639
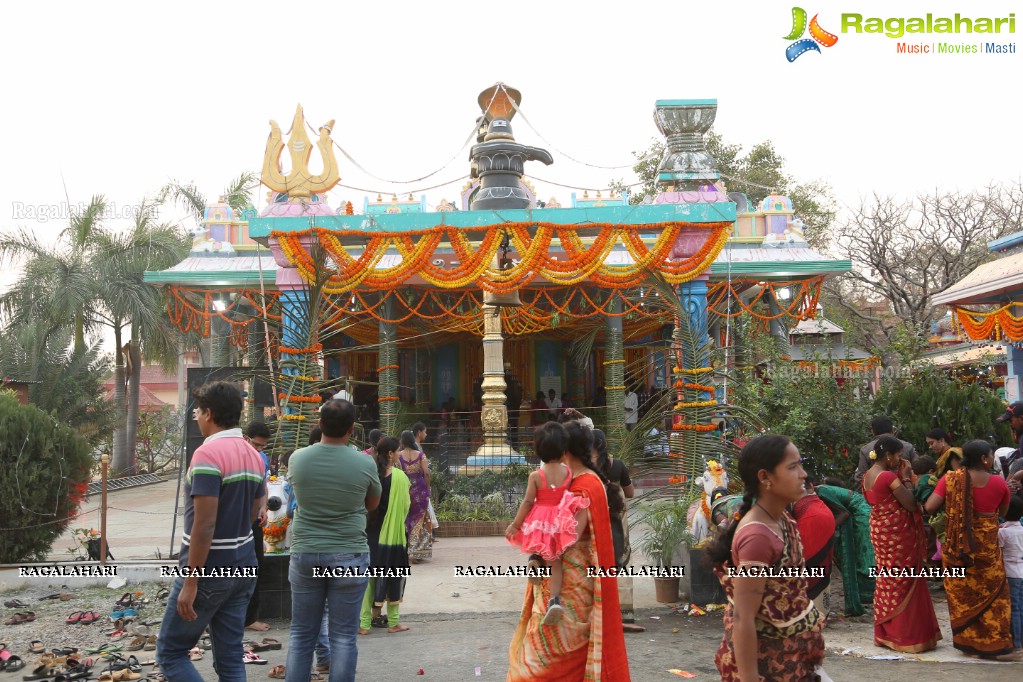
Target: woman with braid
x=587 y=643
x=772 y=629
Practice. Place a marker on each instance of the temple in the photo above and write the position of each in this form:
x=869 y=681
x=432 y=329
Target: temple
x=452 y=310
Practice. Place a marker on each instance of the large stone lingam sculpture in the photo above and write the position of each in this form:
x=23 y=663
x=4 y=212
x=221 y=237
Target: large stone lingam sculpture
x=499 y=160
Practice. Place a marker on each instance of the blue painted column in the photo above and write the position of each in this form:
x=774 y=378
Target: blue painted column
x=294 y=324
x=694 y=300
x=1013 y=383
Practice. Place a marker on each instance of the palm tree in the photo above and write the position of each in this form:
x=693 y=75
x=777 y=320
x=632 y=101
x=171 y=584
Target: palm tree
x=129 y=304
x=56 y=282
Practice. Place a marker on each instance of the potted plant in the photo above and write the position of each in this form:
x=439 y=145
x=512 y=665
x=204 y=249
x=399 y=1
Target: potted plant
x=666 y=528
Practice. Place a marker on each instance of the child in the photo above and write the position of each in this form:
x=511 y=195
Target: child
x=925 y=472
x=545 y=525
x=1010 y=539
x=925 y=469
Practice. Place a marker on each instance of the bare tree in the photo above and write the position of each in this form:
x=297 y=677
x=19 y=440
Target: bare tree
x=906 y=251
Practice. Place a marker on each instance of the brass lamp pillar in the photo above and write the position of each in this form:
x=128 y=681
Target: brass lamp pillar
x=494 y=416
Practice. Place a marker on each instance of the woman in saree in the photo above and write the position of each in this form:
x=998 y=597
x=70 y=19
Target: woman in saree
x=904 y=617
x=588 y=643
x=385 y=530
x=772 y=628
x=854 y=553
x=978 y=605
x=417 y=524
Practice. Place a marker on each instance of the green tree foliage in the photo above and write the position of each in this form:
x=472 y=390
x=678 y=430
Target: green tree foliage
x=44 y=471
x=66 y=382
x=756 y=173
x=826 y=414
x=930 y=399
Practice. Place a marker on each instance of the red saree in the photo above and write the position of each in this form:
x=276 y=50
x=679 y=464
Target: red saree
x=978 y=605
x=790 y=646
x=904 y=617
x=588 y=643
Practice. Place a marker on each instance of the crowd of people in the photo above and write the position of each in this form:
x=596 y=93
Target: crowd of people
x=774 y=556
x=966 y=503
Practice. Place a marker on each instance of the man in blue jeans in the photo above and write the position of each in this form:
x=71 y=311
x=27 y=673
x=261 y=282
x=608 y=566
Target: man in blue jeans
x=224 y=491
x=334 y=485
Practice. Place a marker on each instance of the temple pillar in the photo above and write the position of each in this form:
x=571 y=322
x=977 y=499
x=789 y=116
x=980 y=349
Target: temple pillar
x=693 y=296
x=614 y=370
x=779 y=332
x=494 y=415
x=1014 y=375
x=388 y=369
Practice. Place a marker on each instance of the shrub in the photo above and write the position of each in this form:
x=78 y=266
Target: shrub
x=45 y=468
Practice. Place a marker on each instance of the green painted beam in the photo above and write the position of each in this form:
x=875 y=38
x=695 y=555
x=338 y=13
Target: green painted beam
x=209 y=277
x=260 y=228
x=781 y=268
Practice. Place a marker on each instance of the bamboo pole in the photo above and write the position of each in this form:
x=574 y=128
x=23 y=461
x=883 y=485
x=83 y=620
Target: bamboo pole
x=104 y=466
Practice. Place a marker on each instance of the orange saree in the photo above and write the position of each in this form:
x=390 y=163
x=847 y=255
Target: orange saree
x=978 y=605
x=588 y=643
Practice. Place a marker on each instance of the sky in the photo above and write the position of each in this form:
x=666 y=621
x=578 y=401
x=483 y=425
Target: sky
x=119 y=99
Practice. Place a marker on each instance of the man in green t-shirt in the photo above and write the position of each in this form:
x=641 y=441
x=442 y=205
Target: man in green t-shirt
x=334 y=485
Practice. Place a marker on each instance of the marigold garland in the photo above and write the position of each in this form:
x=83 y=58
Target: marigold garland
x=675 y=480
x=702 y=428
x=702 y=403
x=614 y=388
x=294 y=417
x=300 y=398
x=302 y=351
x=996 y=325
x=299 y=377
x=387 y=398
x=614 y=362
x=697 y=370
x=696 y=387
x=577 y=263
x=386 y=367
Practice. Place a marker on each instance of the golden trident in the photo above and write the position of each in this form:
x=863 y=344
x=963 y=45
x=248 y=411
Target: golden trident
x=299 y=184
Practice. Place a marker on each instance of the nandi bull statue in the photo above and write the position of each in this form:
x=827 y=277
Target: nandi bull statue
x=714 y=482
x=276 y=527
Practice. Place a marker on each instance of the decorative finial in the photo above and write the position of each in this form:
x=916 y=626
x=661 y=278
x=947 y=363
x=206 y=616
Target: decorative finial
x=411 y=197
x=380 y=199
x=586 y=194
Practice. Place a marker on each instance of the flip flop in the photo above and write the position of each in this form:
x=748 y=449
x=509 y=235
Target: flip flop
x=125 y=600
x=14 y=664
x=89 y=618
x=74 y=618
x=206 y=643
x=150 y=646
x=137 y=644
x=162 y=593
x=196 y=654
x=271 y=643
x=253 y=659
x=278 y=672
x=36 y=647
x=15 y=604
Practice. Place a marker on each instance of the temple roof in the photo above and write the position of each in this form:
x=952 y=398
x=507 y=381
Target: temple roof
x=838 y=351
x=818 y=326
x=965 y=355
x=999 y=280
x=227 y=270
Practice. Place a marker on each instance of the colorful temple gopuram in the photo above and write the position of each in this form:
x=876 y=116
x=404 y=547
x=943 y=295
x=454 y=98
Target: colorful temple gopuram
x=402 y=304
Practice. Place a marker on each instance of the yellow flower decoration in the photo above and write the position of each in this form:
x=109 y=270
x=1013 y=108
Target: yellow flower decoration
x=872 y=455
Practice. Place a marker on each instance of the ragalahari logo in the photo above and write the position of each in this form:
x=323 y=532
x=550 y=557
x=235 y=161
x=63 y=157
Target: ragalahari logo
x=817 y=36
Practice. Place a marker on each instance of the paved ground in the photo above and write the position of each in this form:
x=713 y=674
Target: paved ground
x=463 y=624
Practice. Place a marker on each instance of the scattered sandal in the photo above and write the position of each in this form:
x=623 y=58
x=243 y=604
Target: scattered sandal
x=18 y=618
x=196 y=654
x=206 y=643
x=36 y=647
x=278 y=672
x=15 y=604
x=150 y=646
x=74 y=618
x=89 y=618
x=253 y=659
x=137 y=644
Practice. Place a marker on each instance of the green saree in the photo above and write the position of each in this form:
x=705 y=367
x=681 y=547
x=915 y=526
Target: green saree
x=854 y=553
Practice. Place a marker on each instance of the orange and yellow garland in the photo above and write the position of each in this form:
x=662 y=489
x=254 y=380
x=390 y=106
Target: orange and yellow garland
x=472 y=265
x=996 y=325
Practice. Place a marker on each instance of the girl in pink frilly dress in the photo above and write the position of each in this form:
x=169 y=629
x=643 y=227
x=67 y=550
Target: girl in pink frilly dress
x=545 y=525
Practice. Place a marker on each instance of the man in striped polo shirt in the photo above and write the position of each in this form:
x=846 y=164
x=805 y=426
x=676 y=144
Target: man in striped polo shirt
x=224 y=491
